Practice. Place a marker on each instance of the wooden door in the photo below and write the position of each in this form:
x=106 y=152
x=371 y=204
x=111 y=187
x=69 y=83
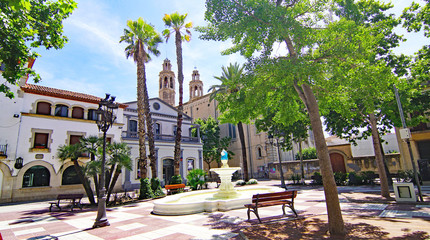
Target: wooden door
x=337 y=162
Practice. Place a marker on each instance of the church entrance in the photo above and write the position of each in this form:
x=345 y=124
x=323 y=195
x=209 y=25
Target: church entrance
x=168 y=170
x=337 y=162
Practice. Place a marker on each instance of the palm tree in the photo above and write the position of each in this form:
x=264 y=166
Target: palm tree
x=90 y=145
x=119 y=154
x=176 y=23
x=229 y=84
x=142 y=40
x=73 y=152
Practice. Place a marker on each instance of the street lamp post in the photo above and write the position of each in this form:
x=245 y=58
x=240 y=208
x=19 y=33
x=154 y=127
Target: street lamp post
x=105 y=119
x=281 y=172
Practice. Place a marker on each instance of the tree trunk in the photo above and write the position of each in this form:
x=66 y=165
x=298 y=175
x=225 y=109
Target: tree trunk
x=149 y=127
x=335 y=220
x=95 y=177
x=302 y=169
x=177 y=154
x=244 y=158
x=109 y=176
x=113 y=182
x=385 y=192
x=141 y=115
x=84 y=182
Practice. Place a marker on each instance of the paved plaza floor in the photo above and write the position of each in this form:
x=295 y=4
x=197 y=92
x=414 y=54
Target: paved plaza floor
x=135 y=221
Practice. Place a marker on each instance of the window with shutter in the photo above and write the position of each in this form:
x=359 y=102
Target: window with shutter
x=43 y=108
x=41 y=140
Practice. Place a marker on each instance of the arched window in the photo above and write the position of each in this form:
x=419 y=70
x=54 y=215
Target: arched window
x=37 y=176
x=259 y=152
x=61 y=110
x=171 y=82
x=92 y=114
x=70 y=176
x=78 y=112
x=43 y=108
x=166 y=83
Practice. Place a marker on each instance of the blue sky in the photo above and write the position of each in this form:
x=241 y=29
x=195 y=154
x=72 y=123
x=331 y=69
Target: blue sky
x=93 y=61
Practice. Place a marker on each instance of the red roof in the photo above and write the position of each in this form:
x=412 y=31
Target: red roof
x=53 y=92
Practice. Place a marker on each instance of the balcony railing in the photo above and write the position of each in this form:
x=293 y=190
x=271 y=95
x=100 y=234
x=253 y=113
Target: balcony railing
x=159 y=137
x=3 y=150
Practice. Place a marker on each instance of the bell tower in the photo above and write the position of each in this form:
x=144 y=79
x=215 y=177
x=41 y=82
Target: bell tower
x=196 y=86
x=166 y=91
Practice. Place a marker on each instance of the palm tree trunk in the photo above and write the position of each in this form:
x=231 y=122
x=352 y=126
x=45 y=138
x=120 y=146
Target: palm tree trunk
x=84 y=182
x=113 y=182
x=95 y=177
x=336 y=224
x=244 y=158
x=140 y=114
x=385 y=192
x=109 y=176
x=177 y=154
x=149 y=126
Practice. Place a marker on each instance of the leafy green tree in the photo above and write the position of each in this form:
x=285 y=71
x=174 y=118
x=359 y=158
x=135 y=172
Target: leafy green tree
x=286 y=134
x=176 y=24
x=317 y=48
x=119 y=157
x=142 y=40
x=24 y=26
x=229 y=77
x=73 y=152
x=213 y=144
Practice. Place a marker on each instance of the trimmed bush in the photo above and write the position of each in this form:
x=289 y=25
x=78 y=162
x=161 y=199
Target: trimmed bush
x=145 y=189
x=196 y=178
x=240 y=183
x=156 y=187
x=308 y=153
x=176 y=179
x=252 y=181
x=354 y=179
x=408 y=176
x=340 y=178
x=368 y=177
x=317 y=178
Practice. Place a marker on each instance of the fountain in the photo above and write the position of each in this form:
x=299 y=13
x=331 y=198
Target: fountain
x=226 y=188
x=223 y=199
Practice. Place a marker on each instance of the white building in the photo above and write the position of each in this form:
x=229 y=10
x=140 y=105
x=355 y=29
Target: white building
x=40 y=119
x=164 y=118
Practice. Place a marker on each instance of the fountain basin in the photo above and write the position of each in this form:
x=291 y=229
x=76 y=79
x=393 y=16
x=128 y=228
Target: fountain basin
x=204 y=201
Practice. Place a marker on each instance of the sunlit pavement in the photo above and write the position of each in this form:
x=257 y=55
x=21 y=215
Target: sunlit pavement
x=135 y=221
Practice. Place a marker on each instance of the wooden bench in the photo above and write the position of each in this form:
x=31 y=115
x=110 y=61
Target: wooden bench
x=75 y=199
x=271 y=199
x=174 y=188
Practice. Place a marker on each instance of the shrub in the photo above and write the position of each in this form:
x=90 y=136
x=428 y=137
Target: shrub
x=176 y=179
x=156 y=187
x=368 y=177
x=296 y=178
x=340 y=178
x=252 y=181
x=317 y=178
x=354 y=179
x=196 y=178
x=308 y=153
x=145 y=189
x=408 y=176
x=240 y=183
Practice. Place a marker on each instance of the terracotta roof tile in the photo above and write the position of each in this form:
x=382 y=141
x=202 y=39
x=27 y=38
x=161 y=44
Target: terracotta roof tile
x=53 y=92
